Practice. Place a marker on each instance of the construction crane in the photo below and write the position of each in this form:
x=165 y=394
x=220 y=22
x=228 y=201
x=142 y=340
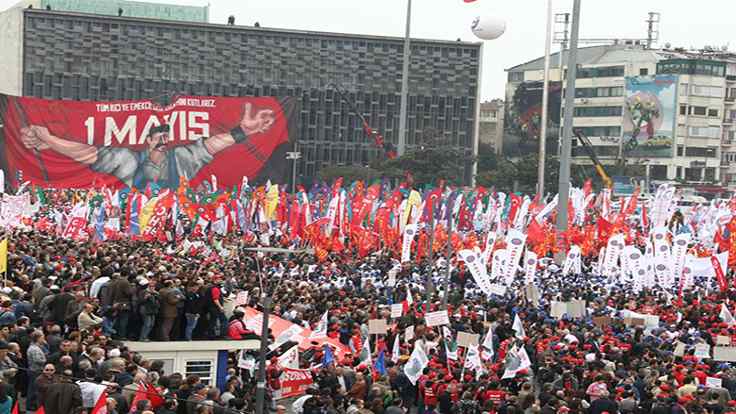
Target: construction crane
x=582 y=139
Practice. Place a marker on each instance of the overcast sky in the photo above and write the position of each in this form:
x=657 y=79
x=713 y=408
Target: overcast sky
x=684 y=23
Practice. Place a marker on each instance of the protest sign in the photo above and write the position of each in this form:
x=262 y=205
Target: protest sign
x=377 y=327
x=397 y=310
x=713 y=382
x=702 y=351
x=437 y=318
x=466 y=339
x=724 y=353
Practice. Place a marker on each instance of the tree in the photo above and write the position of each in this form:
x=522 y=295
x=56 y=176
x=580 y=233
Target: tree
x=435 y=158
x=350 y=173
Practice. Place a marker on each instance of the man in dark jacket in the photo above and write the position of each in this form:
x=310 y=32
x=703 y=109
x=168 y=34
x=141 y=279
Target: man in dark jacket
x=193 y=308
x=121 y=297
x=150 y=304
x=58 y=307
x=63 y=397
x=170 y=298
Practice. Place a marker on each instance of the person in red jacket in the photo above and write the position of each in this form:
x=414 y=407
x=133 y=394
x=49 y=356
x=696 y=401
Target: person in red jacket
x=236 y=328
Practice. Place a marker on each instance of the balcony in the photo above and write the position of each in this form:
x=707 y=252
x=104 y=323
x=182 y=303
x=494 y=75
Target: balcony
x=728 y=120
x=731 y=78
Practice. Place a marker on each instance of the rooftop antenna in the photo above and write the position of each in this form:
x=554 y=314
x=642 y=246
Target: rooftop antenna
x=652 y=29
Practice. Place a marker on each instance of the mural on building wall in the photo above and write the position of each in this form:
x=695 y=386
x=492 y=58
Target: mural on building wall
x=523 y=119
x=650 y=116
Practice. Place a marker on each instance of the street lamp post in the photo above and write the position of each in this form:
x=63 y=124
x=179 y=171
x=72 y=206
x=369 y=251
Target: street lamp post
x=405 y=84
x=545 y=103
x=564 y=182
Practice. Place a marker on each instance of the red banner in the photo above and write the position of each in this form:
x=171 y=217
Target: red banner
x=294 y=382
x=70 y=144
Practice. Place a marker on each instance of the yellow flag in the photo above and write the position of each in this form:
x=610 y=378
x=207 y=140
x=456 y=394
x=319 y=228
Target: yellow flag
x=4 y=256
x=272 y=201
x=147 y=213
x=412 y=203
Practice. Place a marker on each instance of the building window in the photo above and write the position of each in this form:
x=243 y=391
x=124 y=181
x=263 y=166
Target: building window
x=607 y=92
x=643 y=71
x=601 y=131
x=516 y=76
x=658 y=172
x=596 y=111
x=683 y=109
x=683 y=89
x=202 y=369
x=708 y=91
x=693 y=174
x=678 y=172
x=698 y=110
x=601 y=72
x=713 y=113
x=680 y=149
x=705 y=132
x=709 y=152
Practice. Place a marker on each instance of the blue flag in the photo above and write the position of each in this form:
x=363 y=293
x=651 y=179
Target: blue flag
x=380 y=364
x=100 y=224
x=328 y=358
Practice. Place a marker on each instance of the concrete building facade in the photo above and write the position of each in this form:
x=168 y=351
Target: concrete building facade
x=705 y=137
x=491 y=124
x=85 y=56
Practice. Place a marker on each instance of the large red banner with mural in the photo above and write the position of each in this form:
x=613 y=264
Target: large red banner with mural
x=71 y=144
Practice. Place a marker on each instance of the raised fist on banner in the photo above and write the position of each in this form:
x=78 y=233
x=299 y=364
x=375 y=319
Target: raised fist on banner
x=261 y=121
x=35 y=137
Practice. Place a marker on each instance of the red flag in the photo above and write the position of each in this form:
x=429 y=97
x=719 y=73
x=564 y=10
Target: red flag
x=101 y=404
x=469 y=1
x=644 y=217
x=515 y=204
x=15 y=408
x=720 y=277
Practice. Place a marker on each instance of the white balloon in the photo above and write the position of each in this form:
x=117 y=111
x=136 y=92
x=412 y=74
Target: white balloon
x=487 y=27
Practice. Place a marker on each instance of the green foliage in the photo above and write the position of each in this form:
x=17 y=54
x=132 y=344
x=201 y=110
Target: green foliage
x=350 y=173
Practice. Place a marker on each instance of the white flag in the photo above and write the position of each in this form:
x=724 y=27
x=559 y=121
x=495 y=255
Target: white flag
x=416 y=364
x=516 y=360
x=396 y=351
x=472 y=358
x=321 y=330
x=518 y=327
x=487 y=350
x=290 y=358
x=726 y=315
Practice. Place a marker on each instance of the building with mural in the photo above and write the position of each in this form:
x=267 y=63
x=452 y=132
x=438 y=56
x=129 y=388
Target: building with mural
x=665 y=114
x=83 y=50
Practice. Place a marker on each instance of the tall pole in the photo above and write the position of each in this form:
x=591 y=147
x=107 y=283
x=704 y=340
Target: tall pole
x=261 y=380
x=449 y=255
x=564 y=183
x=545 y=103
x=476 y=124
x=405 y=83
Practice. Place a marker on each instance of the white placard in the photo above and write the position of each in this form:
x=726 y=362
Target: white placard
x=713 y=382
x=437 y=318
x=702 y=351
x=397 y=310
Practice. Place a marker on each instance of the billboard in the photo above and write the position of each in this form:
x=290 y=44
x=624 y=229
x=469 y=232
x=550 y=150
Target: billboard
x=70 y=144
x=523 y=118
x=650 y=116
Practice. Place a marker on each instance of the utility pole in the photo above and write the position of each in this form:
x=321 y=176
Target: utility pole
x=449 y=255
x=293 y=156
x=566 y=147
x=405 y=84
x=545 y=103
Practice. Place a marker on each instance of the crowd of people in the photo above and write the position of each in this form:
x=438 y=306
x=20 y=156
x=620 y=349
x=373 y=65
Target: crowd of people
x=68 y=309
